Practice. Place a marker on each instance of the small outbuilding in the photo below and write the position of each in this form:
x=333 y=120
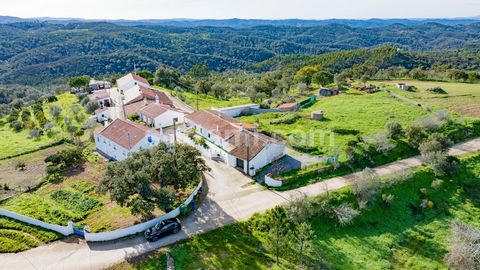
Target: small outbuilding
x=317 y=115
x=327 y=92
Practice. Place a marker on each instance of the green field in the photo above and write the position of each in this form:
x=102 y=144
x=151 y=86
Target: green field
x=393 y=237
x=14 y=143
x=346 y=116
x=17 y=236
x=206 y=102
x=462 y=98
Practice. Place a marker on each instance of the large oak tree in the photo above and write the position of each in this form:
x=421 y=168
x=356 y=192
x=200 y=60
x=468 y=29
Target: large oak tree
x=150 y=178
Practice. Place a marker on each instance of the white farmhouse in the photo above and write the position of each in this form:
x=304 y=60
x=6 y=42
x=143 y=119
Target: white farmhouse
x=403 y=86
x=121 y=138
x=237 y=144
x=102 y=97
x=160 y=115
x=130 y=80
x=95 y=85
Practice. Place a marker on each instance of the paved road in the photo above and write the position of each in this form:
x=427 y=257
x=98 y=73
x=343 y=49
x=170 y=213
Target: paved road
x=230 y=197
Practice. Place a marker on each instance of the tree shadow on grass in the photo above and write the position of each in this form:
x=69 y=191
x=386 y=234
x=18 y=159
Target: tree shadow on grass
x=378 y=230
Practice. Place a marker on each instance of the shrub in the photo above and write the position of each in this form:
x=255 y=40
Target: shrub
x=442 y=164
x=394 y=130
x=17 y=126
x=437 y=142
x=464 y=250
x=55 y=111
x=344 y=214
x=134 y=117
x=415 y=135
x=51 y=99
x=381 y=143
x=34 y=133
x=366 y=187
x=91 y=106
x=64 y=159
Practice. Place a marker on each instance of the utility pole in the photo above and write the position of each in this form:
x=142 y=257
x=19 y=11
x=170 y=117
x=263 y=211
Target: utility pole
x=248 y=154
x=175 y=130
x=196 y=93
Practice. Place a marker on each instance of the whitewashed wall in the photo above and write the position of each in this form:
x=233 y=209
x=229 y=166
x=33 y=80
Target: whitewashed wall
x=269 y=154
x=120 y=233
x=235 y=111
x=65 y=230
x=271 y=182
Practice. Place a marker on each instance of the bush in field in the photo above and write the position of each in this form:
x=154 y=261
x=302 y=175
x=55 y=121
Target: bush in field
x=394 y=130
x=366 y=187
x=35 y=133
x=64 y=159
x=437 y=142
x=381 y=143
x=464 y=251
x=442 y=164
x=55 y=111
x=415 y=135
x=26 y=115
x=17 y=126
x=48 y=128
x=300 y=209
x=344 y=214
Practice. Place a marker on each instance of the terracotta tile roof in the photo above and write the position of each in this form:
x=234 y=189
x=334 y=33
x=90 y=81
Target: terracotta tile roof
x=125 y=133
x=139 y=78
x=102 y=94
x=154 y=110
x=153 y=93
x=215 y=122
x=136 y=105
x=240 y=139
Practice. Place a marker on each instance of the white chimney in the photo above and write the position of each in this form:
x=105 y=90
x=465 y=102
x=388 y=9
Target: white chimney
x=145 y=102
x=241 y=126
x=157 y=99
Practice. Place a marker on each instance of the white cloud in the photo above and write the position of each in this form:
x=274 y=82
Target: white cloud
x=218 y=9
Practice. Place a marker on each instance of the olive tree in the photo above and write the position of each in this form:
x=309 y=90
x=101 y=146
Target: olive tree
x=366 y=187
x=464 y=251
x=151 y=177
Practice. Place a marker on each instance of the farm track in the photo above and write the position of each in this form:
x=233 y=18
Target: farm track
x=228 y=200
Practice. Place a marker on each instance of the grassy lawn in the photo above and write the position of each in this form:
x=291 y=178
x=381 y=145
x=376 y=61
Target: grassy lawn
x=17 y=236
x=206 y=102
x=346 y=116
x=35 y=168
x=462 y=98
x=396 y=237
x=13 y=142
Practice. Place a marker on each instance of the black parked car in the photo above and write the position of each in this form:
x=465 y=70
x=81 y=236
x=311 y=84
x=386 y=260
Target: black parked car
x=164 y=228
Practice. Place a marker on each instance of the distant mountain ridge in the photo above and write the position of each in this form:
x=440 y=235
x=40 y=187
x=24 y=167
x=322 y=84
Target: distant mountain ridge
x=244 y=23
x=37 y=53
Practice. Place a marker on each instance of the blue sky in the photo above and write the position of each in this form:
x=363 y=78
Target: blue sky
x=221 y=9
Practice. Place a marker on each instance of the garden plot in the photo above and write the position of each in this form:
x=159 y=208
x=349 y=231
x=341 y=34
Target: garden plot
x=17 y=236
x=26 y=171
x=462 y=98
